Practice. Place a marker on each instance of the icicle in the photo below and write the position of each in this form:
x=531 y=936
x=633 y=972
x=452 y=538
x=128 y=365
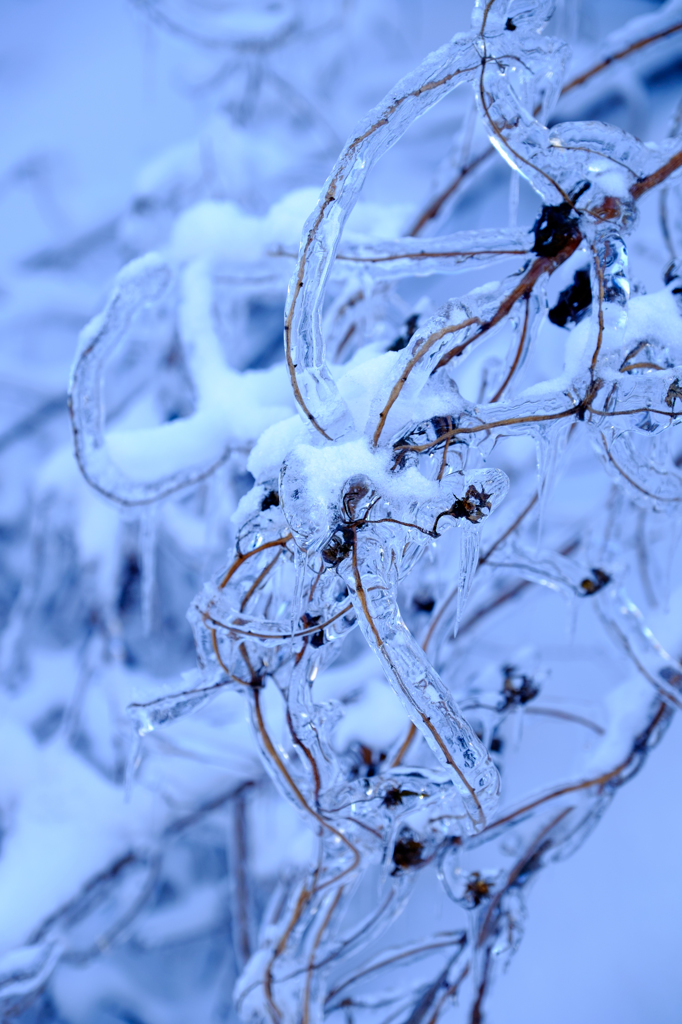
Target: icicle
x=148 y=717
x=645 y=558
x=241 y=897
x=550 y=443
x=666 y=585
x=133 y=762
x=148 y=545
x=572 y=610
x=300 y=580
x=514 y=182
x=468 y=563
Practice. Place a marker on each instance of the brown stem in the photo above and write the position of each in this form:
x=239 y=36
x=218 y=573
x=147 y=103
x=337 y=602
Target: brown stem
x=311 y=961
x=566 y=716
x=486 y=930
x=503 y=141
x=405 y=689
x=656 y=177
x=330 y=198
x=600 y=314
x=405 y=745
x=512 y=369
x=241 y=630
x=401 y=955
x=437 y=203
x=632 y=48
x=418 y=353
x=274 y=755
x=309 y=757
x=449 y=993
x=542 y=265
x=432 y=255
x=257 y=582
x=576 y=787
x=513 y=420
x=629 y=479
x=303 y=898
x=239 y=561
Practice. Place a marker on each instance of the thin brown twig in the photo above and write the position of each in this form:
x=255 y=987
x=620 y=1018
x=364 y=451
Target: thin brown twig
x=517 y=358
x=418 y=354
x=311 y=961
x=600 y=313
x=394 y=958
x=405 y=745
x=449 y=993
x=633 y=483
x=405 y=689
x=575 y=787
x=274 y=755
x=257 y=582
x=241 y=629
x=437 y=203
x=496 y=131
x=240 y=559
x=431 y=255
x=329 y=199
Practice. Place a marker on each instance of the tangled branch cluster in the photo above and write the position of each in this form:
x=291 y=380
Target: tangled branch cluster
x=414 y=472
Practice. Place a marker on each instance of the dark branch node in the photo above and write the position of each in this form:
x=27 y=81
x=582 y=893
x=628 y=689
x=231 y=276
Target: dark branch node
x=574 y=302
x=555 y=229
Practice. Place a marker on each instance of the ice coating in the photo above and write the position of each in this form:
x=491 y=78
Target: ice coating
x=408 y=462
x=441 y=72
